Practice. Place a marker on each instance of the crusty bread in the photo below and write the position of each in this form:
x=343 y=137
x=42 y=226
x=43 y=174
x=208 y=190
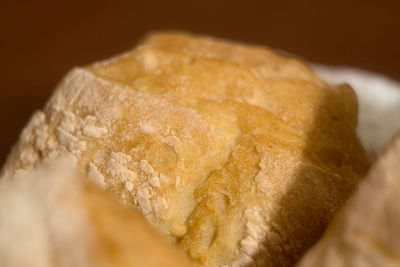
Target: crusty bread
x=366 y=231
x=52 y=217
x=236 y=153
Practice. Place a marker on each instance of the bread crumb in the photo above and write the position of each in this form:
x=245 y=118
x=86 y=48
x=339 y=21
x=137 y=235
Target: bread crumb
x=143 y=198
x=119 y=171
x=94 y=131
x=95 y=175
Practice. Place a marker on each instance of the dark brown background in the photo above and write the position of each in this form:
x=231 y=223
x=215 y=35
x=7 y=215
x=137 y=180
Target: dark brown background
x=41 y=40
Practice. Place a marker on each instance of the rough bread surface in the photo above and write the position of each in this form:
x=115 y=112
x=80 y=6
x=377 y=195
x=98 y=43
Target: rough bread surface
x=51 y=216
x=236 y=153
x=366 y=231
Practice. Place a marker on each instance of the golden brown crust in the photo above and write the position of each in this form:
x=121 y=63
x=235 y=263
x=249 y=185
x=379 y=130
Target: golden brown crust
x=237 y=153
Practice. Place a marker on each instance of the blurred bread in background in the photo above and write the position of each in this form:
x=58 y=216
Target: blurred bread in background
x=53 y=216
x=365 y=232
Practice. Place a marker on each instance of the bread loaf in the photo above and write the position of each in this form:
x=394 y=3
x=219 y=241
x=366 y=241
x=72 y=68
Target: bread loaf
x=53 y=217
x=238 y=154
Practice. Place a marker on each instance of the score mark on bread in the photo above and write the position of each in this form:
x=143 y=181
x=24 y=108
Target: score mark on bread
x=236 y=153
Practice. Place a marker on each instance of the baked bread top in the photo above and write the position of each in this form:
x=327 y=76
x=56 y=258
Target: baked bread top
x=238 y=154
